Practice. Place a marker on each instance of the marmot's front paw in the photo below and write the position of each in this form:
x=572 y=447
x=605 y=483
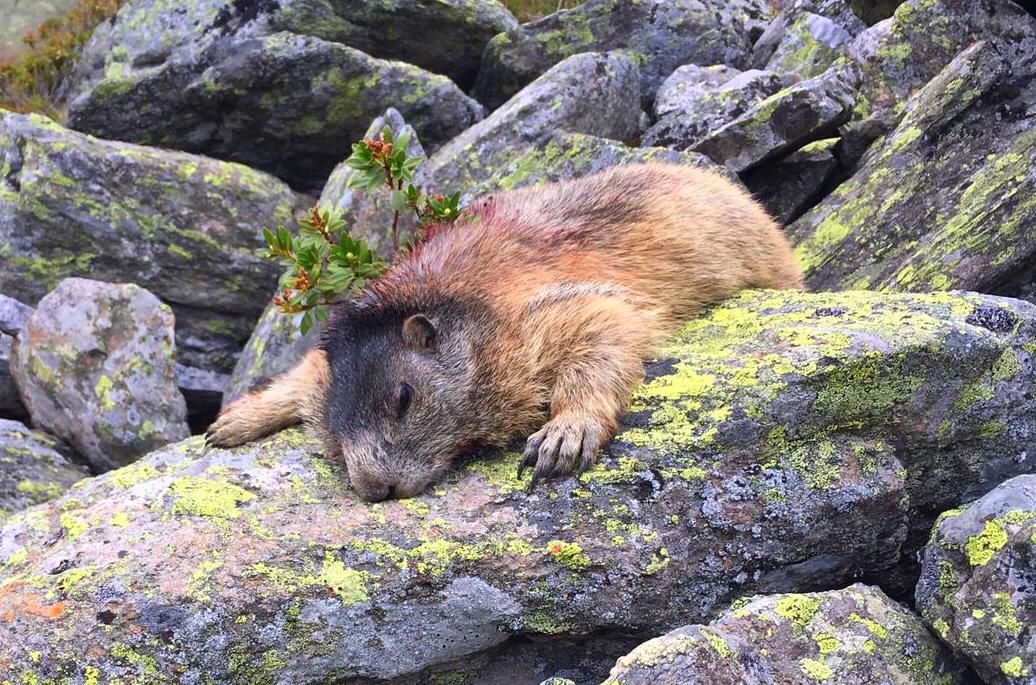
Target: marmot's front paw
x=564 y=443
x=236 y=425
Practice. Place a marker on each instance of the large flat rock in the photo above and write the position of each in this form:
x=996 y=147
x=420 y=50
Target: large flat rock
x=783 y=442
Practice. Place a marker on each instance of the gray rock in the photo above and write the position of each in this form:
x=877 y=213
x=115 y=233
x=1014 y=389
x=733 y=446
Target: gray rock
x=13 y=315
x=684 y=86
x=940 y=202
x=276 y=343
x=976 y=590
x=779 y=31
x=899 y=55
x=443 y=37
x=32 y=470
x=783 y=442
x=810 y=45
x=791 y=185
x=590 y=93
x=704 y=109
x=663 y=34
x=855 y=636
x=94 y=365
x=185 y=227
x=573 y=155
x=783 y=122
x=286 y=103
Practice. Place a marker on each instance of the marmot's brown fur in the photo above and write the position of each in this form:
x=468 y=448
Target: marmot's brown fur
x=543 y=307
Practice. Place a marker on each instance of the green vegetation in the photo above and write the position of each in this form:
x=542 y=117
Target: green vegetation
x=530 y=10
x=324 y=261
x=30 y=81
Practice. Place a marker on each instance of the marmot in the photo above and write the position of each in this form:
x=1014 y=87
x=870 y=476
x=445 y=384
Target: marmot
x=543 y=306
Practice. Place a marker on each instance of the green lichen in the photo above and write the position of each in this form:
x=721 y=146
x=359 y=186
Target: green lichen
x=817 y=670
x=197 y=496
x=1014 y=667
x=799 y=609
x=73 y=526
x=568 y=554
x=543 y=622
x=981 y=548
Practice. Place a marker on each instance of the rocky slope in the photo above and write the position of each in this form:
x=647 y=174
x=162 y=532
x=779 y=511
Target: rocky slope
x=807 y=487
x=784 y=441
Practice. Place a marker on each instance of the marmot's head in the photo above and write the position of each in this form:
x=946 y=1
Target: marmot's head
x=398 y=407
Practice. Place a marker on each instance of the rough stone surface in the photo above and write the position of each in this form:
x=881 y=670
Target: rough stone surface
x=683 y=87
x=697 y=110
x=94 y=365
x=32 y=470
x=177 y=224
x=590 y=93
x=13 y=315
x=809 y=47
x=443 y=37
x=899 y=55
x=662 y=34
x=945 y=200
x=777 y=31
x=785 y=121
x=276 y=344
x=783 y=442
x=286 y=103
x=855 y=636
x=573 y=155
x=789 y=186
x=977 y=589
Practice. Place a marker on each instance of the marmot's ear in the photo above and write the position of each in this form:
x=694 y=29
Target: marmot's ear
x=419 y=332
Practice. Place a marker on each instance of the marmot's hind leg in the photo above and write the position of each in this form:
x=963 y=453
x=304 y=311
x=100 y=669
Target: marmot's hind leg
x=280 y=405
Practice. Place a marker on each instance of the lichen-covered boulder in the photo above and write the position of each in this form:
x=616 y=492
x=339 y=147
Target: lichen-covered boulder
x=684 y=86
x=662 y=34
x=707 y=106
x=182 y=226
x=276 y=343
x=807 y=111
x=944 y=200
x=811 y=44
x=592 y=93
x=573 y=155
x=13 y=315
x=782 y=442
x=789 y=186
x=94 y=365
x=855 y=636
x=146 y=33
x=32 y=470
x=287 y=103
x=779 y=32
x=443 y=37
x=899 y=55
x=976 y=589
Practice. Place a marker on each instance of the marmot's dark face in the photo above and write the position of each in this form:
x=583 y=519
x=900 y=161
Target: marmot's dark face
x=394 y=407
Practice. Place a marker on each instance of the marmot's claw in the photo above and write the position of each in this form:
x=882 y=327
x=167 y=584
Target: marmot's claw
x=565 y=445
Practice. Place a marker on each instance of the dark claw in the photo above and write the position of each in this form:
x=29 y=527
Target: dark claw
x=532 y=483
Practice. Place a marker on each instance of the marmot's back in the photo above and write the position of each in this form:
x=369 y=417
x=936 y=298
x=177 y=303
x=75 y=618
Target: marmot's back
x=680 y=237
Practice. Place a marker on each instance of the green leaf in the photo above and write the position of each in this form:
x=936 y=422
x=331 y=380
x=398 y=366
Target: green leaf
x=306 y=324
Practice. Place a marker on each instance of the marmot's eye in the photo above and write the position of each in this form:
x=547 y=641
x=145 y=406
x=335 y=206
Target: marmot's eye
x=404 y=394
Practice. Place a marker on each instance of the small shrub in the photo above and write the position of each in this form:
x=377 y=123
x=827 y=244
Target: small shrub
x=31 y=81
x=530 y=10
x=323 y=261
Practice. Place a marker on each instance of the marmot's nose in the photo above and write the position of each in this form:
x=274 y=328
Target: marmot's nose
x=373 y=491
